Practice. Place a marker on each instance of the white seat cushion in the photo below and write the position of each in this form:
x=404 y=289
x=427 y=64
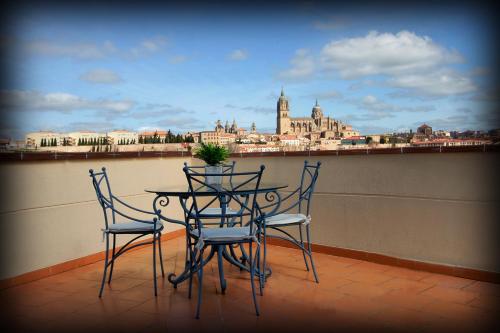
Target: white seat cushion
x=285 y=219
x=218 y=211
x=133 y=227
x=223 y=234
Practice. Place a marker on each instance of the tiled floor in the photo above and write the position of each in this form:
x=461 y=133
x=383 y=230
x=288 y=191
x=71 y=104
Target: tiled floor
x=352 y=295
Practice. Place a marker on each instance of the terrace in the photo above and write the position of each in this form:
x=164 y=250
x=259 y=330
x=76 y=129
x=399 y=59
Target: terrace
x=402 y=242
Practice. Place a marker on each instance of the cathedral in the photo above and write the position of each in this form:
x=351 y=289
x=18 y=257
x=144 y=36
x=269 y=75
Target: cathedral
x=314 y=127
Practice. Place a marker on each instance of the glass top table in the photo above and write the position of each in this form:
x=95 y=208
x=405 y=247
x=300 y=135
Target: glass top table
x=233 y=188
x=269 y=190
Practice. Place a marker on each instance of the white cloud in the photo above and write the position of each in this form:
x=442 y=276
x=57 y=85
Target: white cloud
x=177 y=59
x=238 y=55
x=302 y=66
x=372 y=103
x=20 y=100
x=149 y=46
x=101 y=76
x=75 y=50
x=385 y=53
x=330 y=23
x=92 y=51
x=332 y=94
x=442 y=82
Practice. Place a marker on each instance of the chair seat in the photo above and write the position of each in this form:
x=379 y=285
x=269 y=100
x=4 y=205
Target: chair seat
x=218 y=211
x=223 y=234
x=286 y=219
x=133 y=227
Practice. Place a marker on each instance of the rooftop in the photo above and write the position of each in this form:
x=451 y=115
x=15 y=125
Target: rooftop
x=352 y=295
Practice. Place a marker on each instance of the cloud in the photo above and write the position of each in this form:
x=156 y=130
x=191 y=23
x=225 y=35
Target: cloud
x=238 y=55
x=385 y=53
x=455 y=122
x=182 y=123
x=372 y=103
x=152 y=110
x=22 y=100
x=95 y=51
x=148 y=46
x=332 y=94
x=105 y=76
x=375 y=115
x=442 y=82
x=178 y=59
x=302 y=66
x=330 y=23
x=74 y=50
x=253 y=109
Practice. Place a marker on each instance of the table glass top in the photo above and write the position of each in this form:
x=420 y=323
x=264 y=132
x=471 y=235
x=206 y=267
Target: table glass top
x=225 y=187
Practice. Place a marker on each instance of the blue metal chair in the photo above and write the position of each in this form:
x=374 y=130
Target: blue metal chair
x=128 y=225
x=294 y=214
x=235 y=188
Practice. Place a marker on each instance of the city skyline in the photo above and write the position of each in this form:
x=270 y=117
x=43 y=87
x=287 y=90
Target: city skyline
x=182 y=69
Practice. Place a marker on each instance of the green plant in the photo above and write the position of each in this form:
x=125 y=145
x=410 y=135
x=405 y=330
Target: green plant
x=212 y=154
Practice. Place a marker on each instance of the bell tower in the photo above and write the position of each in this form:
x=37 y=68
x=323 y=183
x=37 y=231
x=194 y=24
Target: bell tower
x=282 y=110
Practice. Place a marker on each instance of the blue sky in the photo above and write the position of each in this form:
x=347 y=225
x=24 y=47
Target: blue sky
x=379 y=69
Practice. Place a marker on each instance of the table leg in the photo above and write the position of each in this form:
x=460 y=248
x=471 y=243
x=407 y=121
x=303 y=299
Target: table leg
x=220 y=250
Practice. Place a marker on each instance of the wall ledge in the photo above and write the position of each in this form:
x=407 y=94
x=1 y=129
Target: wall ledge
x=7 y=156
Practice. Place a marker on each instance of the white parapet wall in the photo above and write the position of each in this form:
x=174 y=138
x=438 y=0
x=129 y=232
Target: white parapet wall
x=435 y=208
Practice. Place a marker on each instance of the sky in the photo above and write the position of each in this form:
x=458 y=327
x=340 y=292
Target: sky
x=381 y=67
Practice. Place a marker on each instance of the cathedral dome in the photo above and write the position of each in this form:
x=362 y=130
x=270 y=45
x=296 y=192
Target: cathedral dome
x=316 y=111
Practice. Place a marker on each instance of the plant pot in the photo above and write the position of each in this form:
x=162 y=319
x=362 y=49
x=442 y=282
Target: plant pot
x=213 y=169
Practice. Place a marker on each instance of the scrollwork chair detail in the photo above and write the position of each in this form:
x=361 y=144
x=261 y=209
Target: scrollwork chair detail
x=128 y=225
x=299 y=201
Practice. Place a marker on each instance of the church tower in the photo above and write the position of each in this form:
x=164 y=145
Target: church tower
x=282 y=121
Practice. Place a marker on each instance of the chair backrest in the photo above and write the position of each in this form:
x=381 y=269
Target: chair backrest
x=102 y=188
x=236 y=187
x=308 y=180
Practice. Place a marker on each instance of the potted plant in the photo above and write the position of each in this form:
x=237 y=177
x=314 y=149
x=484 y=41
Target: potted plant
x=214 y=156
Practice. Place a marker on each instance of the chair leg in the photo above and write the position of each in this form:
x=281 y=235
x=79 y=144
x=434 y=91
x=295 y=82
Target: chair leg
x=252 y=282
x=112 y=260
x=264 y=260
x=161 y=258
x=191 y=269
x=154 y=264
x=261 y=273
x=222 y=280
x=302 y=244
x=200 y=284
x=105 y=265
x=310 y=254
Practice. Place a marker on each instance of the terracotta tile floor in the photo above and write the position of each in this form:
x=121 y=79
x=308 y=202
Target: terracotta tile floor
x=352 y=296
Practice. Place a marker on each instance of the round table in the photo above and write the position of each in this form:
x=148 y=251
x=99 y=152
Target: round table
x=269 y=190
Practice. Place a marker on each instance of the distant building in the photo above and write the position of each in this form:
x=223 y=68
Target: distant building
x=217 y=137
x=122 y=137
x=354 y=140
x=315 y=127
x=289 y=140
x=82 y=138
x=41 y=138
x=425 y=130
x=4 y=143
